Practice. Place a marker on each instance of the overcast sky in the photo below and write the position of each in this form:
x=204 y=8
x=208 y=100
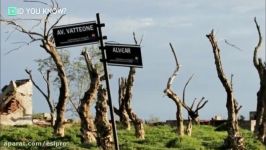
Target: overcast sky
x=185 y=24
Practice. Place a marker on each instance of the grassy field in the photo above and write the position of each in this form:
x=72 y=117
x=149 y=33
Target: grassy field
x=160 y=137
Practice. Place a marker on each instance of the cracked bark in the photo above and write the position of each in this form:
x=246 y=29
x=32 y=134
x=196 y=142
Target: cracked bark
x=87 y=129
x=104 y=130
x=138 y=123
x=121 y=112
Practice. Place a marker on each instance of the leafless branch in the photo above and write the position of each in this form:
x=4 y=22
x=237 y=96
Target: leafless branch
x=45 y=23
x=10 y=34
x=31 y=34
x=232 y=75
x=48 y=85
x=15 y=49
x=191 y=107
x=47 y=96
x=44 y=78
x=255 y=55
x=172 y=78
x=237 y=110
x=184 y=90
x=33 y=82
x=199 y=106
x=53 y=3
x=233 y=45
x=135 y=39
x=36 y=25
x=173 y=50
x=48 y=33
x=21 y=45
x=74 y=106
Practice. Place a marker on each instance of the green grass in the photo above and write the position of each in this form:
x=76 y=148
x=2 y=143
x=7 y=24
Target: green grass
x=162 y=137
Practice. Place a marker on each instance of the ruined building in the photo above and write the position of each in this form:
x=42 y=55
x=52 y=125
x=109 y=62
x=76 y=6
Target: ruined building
x=16 y=103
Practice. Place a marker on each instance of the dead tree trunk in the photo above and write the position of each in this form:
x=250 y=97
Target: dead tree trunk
x=138 y=123
x=51 y=102
x=234 y=140
x=260 y=128
x=63 y=91
x=87 y=129
x=121 y=112
x=104 y=130
x=189 y=127
x=170 y=93
x=262 y=134
x=125 y=96
x=46 y=96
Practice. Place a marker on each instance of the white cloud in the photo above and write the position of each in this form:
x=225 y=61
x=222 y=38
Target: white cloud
x=128 y=25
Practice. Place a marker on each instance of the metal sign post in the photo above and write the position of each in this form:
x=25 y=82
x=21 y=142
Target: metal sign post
x=99 y=25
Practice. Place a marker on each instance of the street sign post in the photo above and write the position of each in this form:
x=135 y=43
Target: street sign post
x=99 y=26
x=113 y=54
x=123 y=55
x=75 y=34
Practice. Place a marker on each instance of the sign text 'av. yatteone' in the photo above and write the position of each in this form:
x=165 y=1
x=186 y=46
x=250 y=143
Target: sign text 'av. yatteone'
x=75 y=34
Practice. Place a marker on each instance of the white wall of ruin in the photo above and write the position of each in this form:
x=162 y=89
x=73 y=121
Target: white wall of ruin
x=23 y=115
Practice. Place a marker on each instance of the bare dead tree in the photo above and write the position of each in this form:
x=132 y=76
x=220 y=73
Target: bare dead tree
x=260 y=128
x=104 y=130
x=172 y=95
x=121 y=112
x=193 y=115
x=234 y=140
x=47 y=43
x=138 y=123
x=47 y=94
x=88 y=130
x=125 y=111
